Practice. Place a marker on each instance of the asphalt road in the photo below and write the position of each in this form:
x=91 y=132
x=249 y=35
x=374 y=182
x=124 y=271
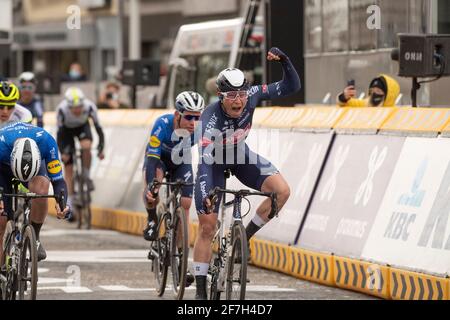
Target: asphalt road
x=107 y=265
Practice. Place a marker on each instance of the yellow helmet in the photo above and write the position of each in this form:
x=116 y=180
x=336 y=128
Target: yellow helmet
x=9 y=94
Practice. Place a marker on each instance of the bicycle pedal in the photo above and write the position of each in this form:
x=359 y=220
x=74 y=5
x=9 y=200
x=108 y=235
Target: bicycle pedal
x=150 y=256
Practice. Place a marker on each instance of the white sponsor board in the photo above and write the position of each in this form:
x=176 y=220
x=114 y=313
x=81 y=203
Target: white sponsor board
x=412 y=228
x=298 y=157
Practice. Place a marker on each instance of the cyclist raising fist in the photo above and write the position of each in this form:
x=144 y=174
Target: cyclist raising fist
x=225 y=127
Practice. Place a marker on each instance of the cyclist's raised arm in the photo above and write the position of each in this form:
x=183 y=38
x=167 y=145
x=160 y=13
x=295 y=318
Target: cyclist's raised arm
x=93 y=114
x=290 y=83
x=154 y=149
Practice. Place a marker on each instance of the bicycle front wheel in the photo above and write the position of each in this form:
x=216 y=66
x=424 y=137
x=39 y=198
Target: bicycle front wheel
x=28 y=266
x=179 y=253
x=236 y=280
x=161 y=261
x=9 y=286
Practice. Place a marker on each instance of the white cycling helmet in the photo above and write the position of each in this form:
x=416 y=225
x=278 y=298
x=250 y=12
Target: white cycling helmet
x=27 y=77
x=231 y=79
x=74 y=97
x=25 y=159
x=189 y=101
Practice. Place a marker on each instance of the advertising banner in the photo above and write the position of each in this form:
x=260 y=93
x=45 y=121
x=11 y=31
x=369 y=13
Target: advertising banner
x=349 y=194
x=412 y=228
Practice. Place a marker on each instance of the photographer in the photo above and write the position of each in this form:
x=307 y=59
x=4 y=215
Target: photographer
x=109 y=99
x=383 y=92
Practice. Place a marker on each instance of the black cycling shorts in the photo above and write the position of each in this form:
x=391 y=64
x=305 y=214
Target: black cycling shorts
x=66 y=138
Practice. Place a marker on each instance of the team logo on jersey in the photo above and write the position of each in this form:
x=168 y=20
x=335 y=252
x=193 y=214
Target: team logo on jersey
x=54 y=167
x=154 y=142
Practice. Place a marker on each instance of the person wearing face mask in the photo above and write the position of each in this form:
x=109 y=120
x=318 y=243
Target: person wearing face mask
x=75 y=73
x=383 y=92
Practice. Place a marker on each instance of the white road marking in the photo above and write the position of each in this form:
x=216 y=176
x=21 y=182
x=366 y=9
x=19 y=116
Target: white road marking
x=67 y=232
x=68 y=289
x=120 y=288
x=98 y=256
x=43 y=280
x=125 y=289
x=43 y=270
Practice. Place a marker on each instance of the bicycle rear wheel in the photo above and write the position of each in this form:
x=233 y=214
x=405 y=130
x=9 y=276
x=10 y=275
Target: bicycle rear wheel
x=28 y=266
x=179 y=253
x=236 y=280
x=161 y=261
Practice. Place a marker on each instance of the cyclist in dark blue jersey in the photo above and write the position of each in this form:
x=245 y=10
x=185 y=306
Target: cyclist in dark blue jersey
x=225 y=126
x=30 y=154
x=169 y=150
x=28 y=98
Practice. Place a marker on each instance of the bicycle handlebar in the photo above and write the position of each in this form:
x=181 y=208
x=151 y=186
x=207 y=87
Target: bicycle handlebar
x=32 y=196
x=179 y=183
x=213 y=194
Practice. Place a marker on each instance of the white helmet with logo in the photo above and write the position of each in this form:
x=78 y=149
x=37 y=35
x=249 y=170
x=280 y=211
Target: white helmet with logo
x=189 y=101
x=74 y=97
x=25 y=159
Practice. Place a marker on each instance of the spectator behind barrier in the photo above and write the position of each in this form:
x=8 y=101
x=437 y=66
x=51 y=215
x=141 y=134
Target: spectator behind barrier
x=110 y=99
x=75 y=74
x=383 y=92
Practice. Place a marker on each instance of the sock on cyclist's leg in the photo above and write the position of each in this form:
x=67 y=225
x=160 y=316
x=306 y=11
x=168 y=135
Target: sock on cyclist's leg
x=254 y=226
x=200 y=272
x=37 y=229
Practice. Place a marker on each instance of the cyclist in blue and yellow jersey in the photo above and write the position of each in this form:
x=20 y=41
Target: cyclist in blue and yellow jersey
x=30 y=154
x=225 y=127
x=28 y=98
x=73 y=115
x=10 y=111
x=169 y=150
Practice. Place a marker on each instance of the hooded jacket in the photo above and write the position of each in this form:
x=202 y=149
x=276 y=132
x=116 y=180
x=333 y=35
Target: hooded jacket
x=393 y=91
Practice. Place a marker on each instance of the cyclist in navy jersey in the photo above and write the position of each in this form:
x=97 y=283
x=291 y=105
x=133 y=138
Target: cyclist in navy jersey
x=225 y=126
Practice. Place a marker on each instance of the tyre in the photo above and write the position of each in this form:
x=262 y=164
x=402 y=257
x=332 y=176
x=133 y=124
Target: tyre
x=214 y=293
x=28 y=266
x=179 y=253
x=8 y=290
x=236 y=280
x=160 y=261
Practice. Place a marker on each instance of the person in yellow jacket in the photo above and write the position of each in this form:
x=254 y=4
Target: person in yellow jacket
x=383 y=92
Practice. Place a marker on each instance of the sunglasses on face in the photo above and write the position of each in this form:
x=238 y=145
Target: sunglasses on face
x=7 y=107
x=232 y=95
x=27 y=87
x=189 y=117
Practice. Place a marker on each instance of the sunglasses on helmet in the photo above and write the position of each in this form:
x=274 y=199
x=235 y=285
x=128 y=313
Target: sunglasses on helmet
x=234 y=94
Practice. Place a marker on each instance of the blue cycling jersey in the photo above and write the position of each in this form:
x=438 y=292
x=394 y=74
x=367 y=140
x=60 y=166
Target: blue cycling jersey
x=174 y=152
x=46 y=144
x=221 y=134
x=163 y=139
x=37 y=110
